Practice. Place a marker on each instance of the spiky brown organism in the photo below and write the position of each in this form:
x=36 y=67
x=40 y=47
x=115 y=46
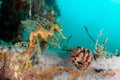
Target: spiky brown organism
x=81 y=57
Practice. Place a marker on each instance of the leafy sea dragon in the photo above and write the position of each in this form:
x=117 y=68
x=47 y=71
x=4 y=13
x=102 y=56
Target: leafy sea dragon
x=44 y=35
x=32 y=26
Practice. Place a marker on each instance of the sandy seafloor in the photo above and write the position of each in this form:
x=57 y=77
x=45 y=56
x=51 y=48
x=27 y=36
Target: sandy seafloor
x=88 y=76
x=58 y=57
x=51 y=59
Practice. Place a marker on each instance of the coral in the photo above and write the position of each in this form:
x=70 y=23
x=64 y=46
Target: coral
x=99 y=49
x=13 y=68
x=81 y=57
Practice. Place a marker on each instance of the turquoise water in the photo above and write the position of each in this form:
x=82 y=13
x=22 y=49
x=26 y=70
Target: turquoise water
x=96 y=15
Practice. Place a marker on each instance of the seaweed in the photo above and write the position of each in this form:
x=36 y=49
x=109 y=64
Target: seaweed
x=69 y=38
x=99 y=49
x=89 y=34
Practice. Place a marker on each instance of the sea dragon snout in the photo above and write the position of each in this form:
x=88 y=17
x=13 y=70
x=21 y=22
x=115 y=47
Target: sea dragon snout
x=59 y=30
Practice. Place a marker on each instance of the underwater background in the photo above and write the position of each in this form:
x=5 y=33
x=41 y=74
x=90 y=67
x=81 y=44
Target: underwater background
x=59 y=40
x=95 y=15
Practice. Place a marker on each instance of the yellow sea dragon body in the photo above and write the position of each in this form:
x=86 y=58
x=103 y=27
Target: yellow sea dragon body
x=43 y=33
